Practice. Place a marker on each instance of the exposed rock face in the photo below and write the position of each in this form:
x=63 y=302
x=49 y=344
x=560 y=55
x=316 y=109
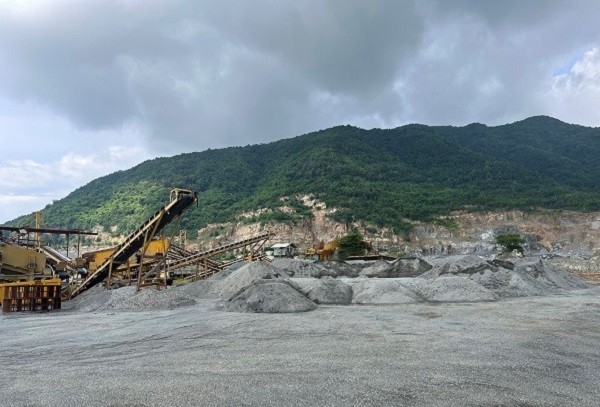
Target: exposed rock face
x=565 y=233
x=270 y=297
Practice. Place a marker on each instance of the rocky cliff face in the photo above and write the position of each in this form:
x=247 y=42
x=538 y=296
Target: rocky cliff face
x=571 y=238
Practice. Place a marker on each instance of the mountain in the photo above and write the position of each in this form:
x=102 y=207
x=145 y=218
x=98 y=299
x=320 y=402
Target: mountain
x=382 y=177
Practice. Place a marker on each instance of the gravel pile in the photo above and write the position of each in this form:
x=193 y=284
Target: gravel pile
x=519 y=278
x=270 y=296
x=449 y=289
x=383 y=291
x=262 y=287
x=244 y=277
x=326 y=290
x=300 y=268
x=128 y=299
x=409 y=267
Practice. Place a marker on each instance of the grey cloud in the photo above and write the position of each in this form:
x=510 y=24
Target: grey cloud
x=210 y=74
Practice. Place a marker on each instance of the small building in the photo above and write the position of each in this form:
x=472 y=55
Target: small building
x=284 y=250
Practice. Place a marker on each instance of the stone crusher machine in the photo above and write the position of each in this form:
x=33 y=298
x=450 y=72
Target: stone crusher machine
x=28 y=284
x=31 y=274
x=181 y=199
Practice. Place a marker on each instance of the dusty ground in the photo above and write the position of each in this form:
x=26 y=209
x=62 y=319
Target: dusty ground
x=542 y=351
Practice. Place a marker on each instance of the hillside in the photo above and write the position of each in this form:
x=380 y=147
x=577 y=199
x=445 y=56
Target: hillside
x=383 y=177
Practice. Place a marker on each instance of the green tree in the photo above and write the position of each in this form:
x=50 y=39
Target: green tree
x=510 y=242
x=351 y=244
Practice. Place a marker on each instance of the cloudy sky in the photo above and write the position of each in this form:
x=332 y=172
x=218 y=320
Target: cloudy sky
x=90 y=87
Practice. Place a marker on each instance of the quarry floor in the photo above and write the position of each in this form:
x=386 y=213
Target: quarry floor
x=542 y=351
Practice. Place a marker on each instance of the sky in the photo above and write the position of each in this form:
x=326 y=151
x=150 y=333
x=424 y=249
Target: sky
x=91 y=87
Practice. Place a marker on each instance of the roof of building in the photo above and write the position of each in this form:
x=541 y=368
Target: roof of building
x=282 y=245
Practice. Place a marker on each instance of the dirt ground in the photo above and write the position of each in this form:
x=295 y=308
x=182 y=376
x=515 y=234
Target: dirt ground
x=542 y=351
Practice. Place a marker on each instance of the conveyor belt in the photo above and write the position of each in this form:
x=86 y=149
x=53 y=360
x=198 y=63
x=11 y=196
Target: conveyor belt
x=200 y=256
x=180 y=201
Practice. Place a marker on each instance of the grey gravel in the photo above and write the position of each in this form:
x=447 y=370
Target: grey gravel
x=270 y=296
x=326 y=290
x=540 y=351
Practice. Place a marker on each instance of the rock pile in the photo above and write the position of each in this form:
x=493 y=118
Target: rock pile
x=326 y=290
x=270 y=296
x=407 y=267
x=264 y=287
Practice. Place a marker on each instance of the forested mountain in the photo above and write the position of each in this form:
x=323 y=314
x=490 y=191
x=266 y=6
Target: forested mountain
x=380 y=176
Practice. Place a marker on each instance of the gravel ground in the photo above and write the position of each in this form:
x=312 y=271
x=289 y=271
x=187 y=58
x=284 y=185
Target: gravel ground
x=541 y=351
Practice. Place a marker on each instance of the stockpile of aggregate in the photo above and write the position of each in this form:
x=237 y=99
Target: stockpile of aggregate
x=270 y=296
x=300 y=268
x=326 y=290
x=250 y=287
x=128 y=299
x=408 y=267
x=264 y=287
x=518 y=278
x=244 y=277
x=383 y=291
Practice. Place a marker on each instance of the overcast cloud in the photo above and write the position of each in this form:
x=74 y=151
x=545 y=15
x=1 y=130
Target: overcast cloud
x=90 y=87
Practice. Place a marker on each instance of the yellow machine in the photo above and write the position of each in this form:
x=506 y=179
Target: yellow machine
x=19 y=263
x=322 y=251
x=33 y=295
x=157 y=248
x=326 y=253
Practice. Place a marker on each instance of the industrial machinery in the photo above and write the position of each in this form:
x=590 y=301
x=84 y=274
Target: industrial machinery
x=32 y=295
x=138 y=241
x=204 y=265
x=29 y=271
x=22 y=263
x=322 y=251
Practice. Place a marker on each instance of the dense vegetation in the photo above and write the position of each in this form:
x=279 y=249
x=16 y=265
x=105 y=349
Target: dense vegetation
x=510 y=242
x=351 y=244
x=383 y=177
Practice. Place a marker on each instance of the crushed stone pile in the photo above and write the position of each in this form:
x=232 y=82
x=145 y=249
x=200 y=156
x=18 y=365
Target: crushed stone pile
x=383 y=291
x=305 y=268
x=271 y=296
x=128 y=299
x=244 y=277
x=262 y=287
x=518 y=278
x=300 y=268
x=326 y=290
x=463 y=266
x=407 y=267
x=338 y=268
x=222 y=274
x=449 y=289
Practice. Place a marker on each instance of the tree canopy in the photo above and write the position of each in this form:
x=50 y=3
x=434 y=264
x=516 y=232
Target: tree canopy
x=382 y=177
